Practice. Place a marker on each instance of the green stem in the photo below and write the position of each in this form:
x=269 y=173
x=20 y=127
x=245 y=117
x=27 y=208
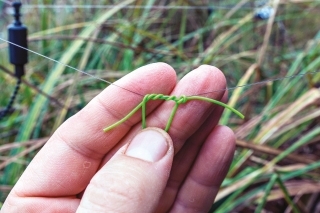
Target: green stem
x=266 y=193
x=123 y=119
x=218 y=103
x=171 y=116
x=143 y=109
x=286 y=194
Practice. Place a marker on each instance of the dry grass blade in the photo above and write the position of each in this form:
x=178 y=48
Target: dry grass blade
x=310 y=116
x=281 y=119
x=5 y=188
x=294 y=188
x=272 y=151
x=26 y=151
x=6 y=147
x=247 y=180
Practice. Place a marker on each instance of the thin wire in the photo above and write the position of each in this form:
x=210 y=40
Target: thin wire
x=66 y=65
x=110 y=83
x=262 y=82
x=158 y=7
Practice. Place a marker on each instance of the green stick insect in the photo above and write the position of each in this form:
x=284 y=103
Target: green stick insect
x=178 y=100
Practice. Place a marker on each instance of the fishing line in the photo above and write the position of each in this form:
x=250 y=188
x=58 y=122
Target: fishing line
x=158 y=7
x=263 y=82
x=66 y=65
x=109 y=6
x=110 y=83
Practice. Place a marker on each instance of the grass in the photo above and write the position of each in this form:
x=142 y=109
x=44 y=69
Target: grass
x=276 y=165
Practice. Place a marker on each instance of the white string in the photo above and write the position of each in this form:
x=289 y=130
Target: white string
x=158 y=7
x=264 y=82
x=66 y=65
x=110 y=83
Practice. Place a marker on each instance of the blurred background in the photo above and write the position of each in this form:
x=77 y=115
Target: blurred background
x=272 y=47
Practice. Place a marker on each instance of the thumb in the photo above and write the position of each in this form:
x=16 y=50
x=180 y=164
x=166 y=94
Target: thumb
x=134 y=178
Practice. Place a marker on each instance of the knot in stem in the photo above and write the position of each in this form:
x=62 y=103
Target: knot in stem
x=149 y=97
x=182 y=99
x=179 y=100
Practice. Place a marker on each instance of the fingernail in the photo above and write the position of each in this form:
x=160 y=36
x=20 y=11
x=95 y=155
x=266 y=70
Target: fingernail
x=148 y=145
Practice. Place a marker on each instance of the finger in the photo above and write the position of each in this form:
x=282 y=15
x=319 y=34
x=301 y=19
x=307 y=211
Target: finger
x=65 y=165
x=210 y=168
x=40 y=204
x=185 y=158
x=134 y=178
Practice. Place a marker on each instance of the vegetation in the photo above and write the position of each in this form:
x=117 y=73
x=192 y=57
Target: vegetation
x=276 y=165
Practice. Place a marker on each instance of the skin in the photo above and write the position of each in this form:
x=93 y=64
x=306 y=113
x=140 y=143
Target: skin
x=83 y=169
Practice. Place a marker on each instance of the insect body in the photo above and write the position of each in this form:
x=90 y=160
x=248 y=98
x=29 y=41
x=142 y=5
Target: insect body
x=178 y=100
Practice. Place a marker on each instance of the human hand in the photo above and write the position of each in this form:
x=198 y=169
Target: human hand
x=83 y=169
